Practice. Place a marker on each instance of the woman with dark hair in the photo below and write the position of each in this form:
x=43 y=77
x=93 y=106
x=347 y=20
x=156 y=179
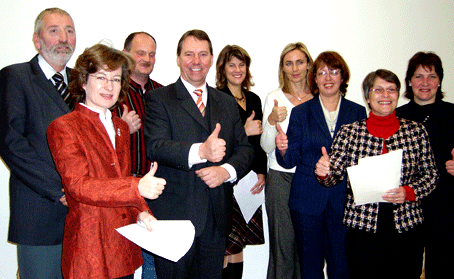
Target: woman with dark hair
x=234 y=78
x=383 y=238
x=294 y=64
x=423 y=88
x=316 y=211
x=90 y=148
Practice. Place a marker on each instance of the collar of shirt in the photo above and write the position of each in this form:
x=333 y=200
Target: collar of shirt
x=106 y=120
x=191 y=89
x=138 y=88
x=48 y=71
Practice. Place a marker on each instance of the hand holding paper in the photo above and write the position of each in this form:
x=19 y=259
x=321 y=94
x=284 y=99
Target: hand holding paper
x=374 y=176
x=396 y=195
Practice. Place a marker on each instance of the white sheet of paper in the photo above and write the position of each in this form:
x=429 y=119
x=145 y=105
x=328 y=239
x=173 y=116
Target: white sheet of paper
x=248 y=202
x=374 y=175
x=168 y=239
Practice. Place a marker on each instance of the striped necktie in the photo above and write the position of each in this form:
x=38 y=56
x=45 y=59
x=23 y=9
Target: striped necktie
x=199 y=103
x=61 y=86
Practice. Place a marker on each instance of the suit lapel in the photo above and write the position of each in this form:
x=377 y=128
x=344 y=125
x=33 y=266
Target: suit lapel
x=317 y=111
x=216 y=110
x=188 y=104
x=343 y=114
x=46 y=85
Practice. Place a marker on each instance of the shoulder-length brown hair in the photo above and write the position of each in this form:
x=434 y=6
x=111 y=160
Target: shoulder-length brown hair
x=333 y=60
x=226 y=54
x=427 y=60
x=283 y=81
x=91 y=61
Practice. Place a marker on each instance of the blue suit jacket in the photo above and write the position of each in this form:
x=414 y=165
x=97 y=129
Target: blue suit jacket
x=307 y=133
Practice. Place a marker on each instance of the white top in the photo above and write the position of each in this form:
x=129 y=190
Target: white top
x=267 y=140
x=330 y=116
x=106 y=120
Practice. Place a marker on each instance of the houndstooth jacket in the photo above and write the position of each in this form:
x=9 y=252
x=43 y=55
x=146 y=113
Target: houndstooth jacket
x=419 y=171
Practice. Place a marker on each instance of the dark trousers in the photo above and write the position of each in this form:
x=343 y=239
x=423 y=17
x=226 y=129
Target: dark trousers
x=439 y=243
x=36 y=262
x=204 y=260
x=385 y=254
x=321 y=238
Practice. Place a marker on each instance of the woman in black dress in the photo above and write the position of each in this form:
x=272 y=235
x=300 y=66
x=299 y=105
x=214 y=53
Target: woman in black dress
x=234 y=78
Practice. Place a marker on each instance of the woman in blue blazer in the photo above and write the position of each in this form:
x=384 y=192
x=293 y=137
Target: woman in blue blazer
x=317 y=211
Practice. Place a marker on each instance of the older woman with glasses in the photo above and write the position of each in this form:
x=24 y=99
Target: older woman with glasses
x=423 y=87
x=383 y=238
x=90 y=148
x=316 y=211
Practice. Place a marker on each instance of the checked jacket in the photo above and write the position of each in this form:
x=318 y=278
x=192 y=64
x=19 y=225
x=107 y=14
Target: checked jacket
x=418 y=171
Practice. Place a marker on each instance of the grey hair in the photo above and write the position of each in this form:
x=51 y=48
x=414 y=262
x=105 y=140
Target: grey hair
x=39 y=19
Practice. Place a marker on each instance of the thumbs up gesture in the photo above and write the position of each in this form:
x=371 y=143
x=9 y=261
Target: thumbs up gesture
x=213 y=149
x=151 y=187
x=281 y=140
x=278 y=114
x=323 y=165
x=253 y=127
x=450 y=164
x=132 y=118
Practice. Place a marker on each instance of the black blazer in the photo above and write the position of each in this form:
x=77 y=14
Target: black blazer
x=29 y=102
x=172 y=124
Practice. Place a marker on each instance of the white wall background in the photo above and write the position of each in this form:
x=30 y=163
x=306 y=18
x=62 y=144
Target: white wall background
x=369 y=34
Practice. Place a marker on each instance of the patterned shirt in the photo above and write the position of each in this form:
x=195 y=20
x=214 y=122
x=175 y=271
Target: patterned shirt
x=418 y=171
x=140 y=164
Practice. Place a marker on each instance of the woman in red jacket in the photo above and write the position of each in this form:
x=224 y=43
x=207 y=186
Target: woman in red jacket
x=90 y=148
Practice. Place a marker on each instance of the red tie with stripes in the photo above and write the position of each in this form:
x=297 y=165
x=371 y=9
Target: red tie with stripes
x=200 y=104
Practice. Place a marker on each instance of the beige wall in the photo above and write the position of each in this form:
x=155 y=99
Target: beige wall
x=368 y=34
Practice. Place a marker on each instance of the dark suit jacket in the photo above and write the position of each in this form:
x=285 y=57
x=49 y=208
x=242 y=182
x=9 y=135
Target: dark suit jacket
x=307 y=133
x=172 y=124
x=101 y=195
x=28 y=104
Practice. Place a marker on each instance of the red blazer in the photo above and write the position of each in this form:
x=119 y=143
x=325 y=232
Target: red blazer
x=100 y=192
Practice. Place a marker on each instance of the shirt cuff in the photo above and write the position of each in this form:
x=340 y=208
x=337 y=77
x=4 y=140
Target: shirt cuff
x=410 y=193
x=194 y=157
x=231 y=170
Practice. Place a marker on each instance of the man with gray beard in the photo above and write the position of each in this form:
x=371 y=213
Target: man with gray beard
x=32 y=95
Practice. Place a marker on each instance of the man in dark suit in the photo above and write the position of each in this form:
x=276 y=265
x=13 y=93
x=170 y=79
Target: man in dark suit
x=202 y=149
x=31 y=97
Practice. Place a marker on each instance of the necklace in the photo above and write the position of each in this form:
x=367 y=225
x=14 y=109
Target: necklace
x=425 y=119
x=239 y=99
x=300 y=98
